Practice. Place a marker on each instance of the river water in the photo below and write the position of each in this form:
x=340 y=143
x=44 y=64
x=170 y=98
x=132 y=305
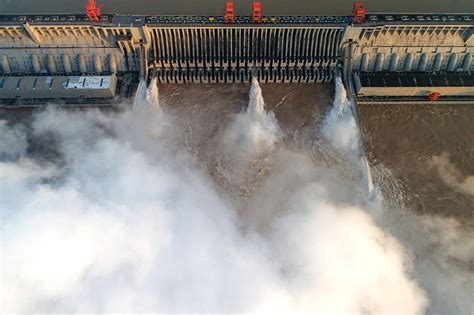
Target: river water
x=423 y=152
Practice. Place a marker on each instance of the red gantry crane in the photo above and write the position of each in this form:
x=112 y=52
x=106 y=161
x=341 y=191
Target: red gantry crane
x=93 y=10
x=358 y=13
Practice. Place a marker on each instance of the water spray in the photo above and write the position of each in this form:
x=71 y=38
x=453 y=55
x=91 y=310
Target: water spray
x=147 y=96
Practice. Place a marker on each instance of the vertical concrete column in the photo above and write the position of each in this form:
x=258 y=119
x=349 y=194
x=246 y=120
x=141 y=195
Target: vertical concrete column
x=82 y=63
x=393 y=62
x=67 y=63
x=364 y=62
x=52 y=68
x=423 y=62
x=35 y=62
x=408 y=62
x=438 y=61
x=379 y=59
x=112 y=63
x=6 y=65
x=98 y=63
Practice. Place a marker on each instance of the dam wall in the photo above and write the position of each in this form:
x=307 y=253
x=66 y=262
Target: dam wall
x=206 y=49
x=232 y=54
x=176 y=54
x=189 y=50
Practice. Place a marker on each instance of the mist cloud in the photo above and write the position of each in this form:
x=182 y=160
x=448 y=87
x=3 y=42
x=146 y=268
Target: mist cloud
x=451 y=176
x=340 y=126
x=254 y=131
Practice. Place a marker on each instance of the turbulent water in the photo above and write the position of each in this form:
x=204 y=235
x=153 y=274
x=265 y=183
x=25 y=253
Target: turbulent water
x=201 y=202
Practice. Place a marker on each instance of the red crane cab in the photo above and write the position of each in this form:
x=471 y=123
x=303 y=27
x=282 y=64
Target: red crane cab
x=256 y=15
x=229 y=12
x=93 y=11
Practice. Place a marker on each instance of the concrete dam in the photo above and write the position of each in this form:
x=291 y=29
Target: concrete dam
x=380 y=56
